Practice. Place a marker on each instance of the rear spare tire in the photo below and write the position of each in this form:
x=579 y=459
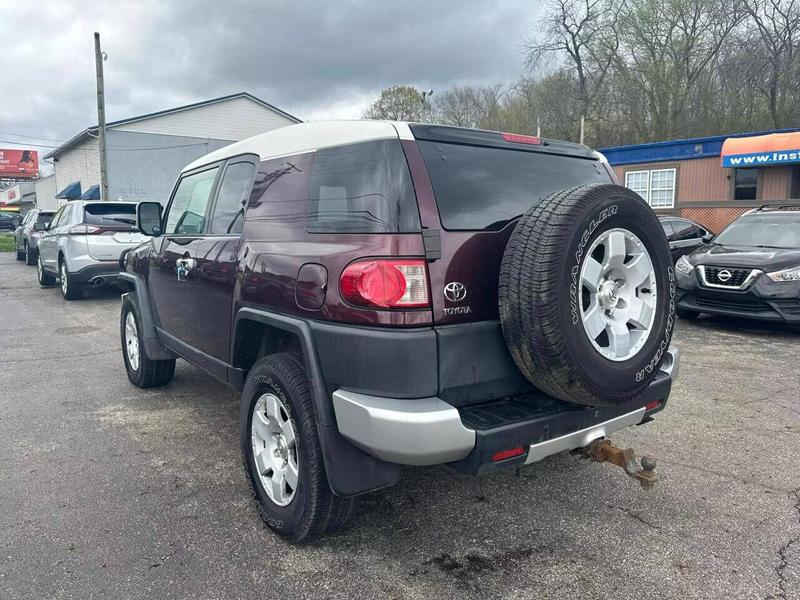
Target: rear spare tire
x=587 y=295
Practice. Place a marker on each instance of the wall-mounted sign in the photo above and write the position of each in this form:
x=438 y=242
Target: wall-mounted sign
x=758 y=159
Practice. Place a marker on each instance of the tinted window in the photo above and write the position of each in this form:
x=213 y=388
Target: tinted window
x=43 y=217
x=110 y=213
x=187 y=213
x=769 y=230
x=362 y=188
x=477 y=187
x=231 y=198
x=745 y=184
x=57 y=217
x=684 y=230
x=668 y=231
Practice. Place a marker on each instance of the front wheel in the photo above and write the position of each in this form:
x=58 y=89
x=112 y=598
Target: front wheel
x=282 y=454
x=142 y=372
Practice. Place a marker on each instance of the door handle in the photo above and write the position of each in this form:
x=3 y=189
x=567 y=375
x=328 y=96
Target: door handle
x=183 y=267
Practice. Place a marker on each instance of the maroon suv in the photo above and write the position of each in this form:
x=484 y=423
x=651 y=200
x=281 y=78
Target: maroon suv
x=388 y=294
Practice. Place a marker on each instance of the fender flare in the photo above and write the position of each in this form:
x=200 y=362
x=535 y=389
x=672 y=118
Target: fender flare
x=350 y=471
x=153 y=348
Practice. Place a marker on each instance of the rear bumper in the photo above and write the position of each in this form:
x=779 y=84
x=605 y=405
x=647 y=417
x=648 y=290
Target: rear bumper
x=97 y=273
x=430 y=431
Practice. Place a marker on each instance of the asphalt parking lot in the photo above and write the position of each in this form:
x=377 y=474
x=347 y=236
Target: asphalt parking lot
x=108 y=491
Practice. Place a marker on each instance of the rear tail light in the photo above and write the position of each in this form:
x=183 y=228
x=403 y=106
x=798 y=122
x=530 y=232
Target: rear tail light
x=386 y=283
x=522 y=139
x=85 y=230
x=652 y=405
x=510 y=453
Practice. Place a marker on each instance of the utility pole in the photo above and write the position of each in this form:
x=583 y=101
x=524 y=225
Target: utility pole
x=538 y=126
x=583 y=125
x=101 y=116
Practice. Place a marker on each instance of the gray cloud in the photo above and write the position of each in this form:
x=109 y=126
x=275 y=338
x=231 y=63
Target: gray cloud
x=314 y=60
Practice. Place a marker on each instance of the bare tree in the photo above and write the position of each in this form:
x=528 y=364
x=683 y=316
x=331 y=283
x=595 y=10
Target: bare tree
x=585 y=34
x=776 y=68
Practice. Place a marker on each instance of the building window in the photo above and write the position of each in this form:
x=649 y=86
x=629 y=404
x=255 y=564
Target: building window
x=745 y=184
x=657 y=187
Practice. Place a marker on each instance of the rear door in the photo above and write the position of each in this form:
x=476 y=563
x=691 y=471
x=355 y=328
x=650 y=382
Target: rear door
x=669 y=231
x=110 y=228
x=172 y=273
x=481 y=183
x=216 y=255
x=687 y=238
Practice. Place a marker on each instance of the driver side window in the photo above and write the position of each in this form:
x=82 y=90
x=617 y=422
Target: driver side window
x=187 y=214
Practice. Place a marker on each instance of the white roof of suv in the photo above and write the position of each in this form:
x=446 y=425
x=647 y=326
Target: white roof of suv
x=307 y=137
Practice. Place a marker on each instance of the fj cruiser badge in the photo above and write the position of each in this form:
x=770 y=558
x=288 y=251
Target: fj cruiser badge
x=455 y=291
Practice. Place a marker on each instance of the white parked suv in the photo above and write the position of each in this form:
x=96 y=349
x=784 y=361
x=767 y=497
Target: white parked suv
x=83 y=244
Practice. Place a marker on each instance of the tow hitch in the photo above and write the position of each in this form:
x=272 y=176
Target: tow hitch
x=602 y=450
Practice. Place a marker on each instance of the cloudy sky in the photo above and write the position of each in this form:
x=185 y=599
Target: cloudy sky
x=316 y=60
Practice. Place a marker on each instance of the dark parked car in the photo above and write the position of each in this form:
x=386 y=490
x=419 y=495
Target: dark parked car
x=684 y=235
x=28 y=233
x=751 y=269
x=344 y=276
x=9 y=220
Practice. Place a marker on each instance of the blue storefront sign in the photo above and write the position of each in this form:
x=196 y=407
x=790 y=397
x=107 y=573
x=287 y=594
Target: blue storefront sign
x=756 y=159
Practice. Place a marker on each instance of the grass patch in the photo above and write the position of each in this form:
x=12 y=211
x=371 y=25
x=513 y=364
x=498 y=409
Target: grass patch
x=6 y=242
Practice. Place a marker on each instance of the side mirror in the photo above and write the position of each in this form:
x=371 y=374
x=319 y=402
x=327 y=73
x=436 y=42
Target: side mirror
x=708 y=237
x=148 y=218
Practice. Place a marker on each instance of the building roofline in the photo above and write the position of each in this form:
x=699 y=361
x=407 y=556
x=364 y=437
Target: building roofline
x=697 y=140
x=92 y=131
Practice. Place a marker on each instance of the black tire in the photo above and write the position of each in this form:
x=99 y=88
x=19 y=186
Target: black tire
x=69 y=289
x=689 y=315
x=313 y=509
x=20 y=253
x=45 y=279
x=148 y=373
x=30 y=255
x=541 y=298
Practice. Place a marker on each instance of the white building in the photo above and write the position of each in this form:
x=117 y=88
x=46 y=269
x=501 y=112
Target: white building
x=46 y=191
x=146 y=153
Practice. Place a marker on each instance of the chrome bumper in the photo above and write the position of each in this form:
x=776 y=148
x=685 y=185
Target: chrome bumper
x=428 y=431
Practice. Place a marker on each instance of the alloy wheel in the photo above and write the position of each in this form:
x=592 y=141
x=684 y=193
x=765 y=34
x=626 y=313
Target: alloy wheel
x=132 y=341
x=64 y=283
x=618 y=294
x=274 y=447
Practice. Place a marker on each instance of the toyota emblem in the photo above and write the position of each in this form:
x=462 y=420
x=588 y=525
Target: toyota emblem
x=724 y=275
x=455 y=291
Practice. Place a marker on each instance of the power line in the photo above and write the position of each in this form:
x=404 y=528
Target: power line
x=113 y=149
x=32 y=137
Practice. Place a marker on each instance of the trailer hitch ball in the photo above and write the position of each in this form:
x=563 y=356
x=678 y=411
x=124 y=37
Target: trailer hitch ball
x=602 y=450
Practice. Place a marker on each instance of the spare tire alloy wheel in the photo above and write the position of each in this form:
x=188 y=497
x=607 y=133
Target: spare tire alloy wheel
x=274 y=449
x=618 y=294
x=587 y=295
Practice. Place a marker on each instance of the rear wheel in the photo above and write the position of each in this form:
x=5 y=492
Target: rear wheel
x=282 y=454
x=587 y=295
x=30 y=255
x=20 y=253
x=45 y=279
x=69 y=289
x=142 y=372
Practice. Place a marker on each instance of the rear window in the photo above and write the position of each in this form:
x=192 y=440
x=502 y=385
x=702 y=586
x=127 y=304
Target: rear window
x=43 y=218
x=362 y=188
x=478 y=187
x=111 y=213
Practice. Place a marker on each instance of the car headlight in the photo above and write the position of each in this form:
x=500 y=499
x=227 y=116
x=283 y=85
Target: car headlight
x=790 y=274
x=684 y=266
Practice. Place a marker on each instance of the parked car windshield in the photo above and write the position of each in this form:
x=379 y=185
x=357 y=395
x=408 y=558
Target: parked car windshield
x=765 y=230
x=479 y=187
x=110 y=213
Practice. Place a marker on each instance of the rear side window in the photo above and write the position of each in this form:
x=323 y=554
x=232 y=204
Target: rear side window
x=479 y=187
x=110 y=213
x=362 y=188
x=43 y=218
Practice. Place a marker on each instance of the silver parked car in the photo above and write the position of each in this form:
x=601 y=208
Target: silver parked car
x=27 y=235
x=83 y=244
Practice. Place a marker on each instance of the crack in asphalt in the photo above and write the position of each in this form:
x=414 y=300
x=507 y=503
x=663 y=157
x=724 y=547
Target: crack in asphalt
x=783 y=552
x=637 y=516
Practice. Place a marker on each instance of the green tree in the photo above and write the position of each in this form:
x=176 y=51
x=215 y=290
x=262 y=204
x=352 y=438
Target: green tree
x=400 y=103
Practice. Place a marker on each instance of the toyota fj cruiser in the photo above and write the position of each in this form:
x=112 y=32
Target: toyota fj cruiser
x=388 y=294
